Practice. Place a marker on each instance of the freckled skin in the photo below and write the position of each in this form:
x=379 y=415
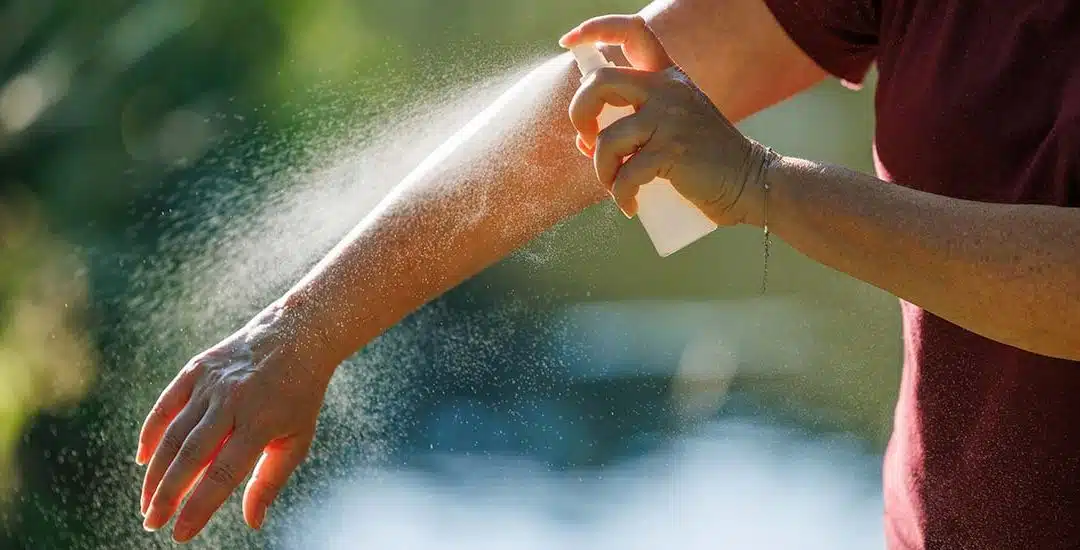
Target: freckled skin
x=260 y=390
x=387 y=266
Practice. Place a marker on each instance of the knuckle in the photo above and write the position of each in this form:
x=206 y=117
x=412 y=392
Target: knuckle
x=160 y=411
x=605 y=74
x=232 y=392
x=221 y=473
x=194 y=369
x=679 y=86
x=196 y=366
x=172 y=441
x=676 y=88
x=189 y=454
x=602 y=78
x=246 y=436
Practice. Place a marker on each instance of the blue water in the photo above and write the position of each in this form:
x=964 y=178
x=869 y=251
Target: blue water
x=595 y=431
x=734 y=483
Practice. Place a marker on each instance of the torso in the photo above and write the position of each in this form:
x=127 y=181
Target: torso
x=981 y=100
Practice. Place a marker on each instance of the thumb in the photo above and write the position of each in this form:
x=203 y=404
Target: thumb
x=277 y=463
x=641 y=47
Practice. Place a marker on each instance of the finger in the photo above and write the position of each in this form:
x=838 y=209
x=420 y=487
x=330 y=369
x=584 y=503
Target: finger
x=644 y=167
x=276 y=465
x=168 y=405
x=617 y=86
x=197 y=451
x=171 y=442
x=222 y=476
x=584 y=147
x=615 y=29
x=629 y=31
x=620 y=140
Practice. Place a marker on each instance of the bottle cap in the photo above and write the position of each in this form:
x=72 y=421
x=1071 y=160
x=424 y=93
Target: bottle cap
x=589 y=58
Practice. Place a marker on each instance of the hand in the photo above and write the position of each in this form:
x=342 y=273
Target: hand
x=639 y=46
x=254 y=396
x=676 y=133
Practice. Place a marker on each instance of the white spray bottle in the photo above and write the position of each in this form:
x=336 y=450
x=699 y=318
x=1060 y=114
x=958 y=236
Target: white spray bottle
x=671 y=221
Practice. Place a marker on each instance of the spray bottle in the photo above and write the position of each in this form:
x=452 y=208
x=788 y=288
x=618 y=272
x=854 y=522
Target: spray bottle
x=670 y=220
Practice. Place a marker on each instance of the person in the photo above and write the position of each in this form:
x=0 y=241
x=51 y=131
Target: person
x=971 y=222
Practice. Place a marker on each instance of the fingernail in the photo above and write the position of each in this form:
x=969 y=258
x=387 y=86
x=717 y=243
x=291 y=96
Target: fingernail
x=152 y=521
x=261 y=516
x=182 y=531
x=139 y=456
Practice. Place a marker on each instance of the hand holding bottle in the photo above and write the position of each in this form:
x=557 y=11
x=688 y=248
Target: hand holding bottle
x=676 y=133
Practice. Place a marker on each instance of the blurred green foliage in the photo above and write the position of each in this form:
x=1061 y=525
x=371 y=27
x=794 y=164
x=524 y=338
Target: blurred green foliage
x=110 y=110
x=44 y=359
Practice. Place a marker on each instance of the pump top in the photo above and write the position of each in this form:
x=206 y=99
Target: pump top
x=589 y=59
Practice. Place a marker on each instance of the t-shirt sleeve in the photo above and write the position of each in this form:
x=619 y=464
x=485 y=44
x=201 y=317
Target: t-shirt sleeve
x=841 y=36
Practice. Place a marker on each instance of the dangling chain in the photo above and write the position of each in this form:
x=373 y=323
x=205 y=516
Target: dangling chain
x=769 y=156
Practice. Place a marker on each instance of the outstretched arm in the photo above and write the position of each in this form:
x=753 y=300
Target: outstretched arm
x=507 y=176
x=490 y=190
x=251 y=402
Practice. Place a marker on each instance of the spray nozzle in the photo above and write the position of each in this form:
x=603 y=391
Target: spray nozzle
x=589 y=58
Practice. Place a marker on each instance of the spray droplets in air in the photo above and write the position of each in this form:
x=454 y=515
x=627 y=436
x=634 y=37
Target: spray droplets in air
x=270 y=208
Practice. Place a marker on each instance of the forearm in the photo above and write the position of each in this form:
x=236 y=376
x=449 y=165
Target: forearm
x=1008 y=272
x=514 y=172
x=506 y=177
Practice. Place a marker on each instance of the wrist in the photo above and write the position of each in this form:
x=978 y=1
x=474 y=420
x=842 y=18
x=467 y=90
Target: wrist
x=304 y=328
x=762 y=185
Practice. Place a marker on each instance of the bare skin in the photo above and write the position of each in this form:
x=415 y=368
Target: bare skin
x=250 y=403
x=955 y=258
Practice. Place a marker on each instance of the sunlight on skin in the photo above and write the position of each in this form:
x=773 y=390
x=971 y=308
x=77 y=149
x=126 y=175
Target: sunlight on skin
x=166 y=484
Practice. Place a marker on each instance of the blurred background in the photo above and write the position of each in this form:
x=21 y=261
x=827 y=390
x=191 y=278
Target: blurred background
x=171 y=166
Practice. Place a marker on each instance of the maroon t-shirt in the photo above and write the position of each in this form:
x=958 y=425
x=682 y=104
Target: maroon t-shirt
x=977 y=100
